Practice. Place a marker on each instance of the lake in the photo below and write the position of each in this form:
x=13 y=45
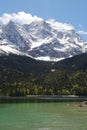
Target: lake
x=43 y=116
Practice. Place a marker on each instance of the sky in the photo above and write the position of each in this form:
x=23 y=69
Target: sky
x=65 y=11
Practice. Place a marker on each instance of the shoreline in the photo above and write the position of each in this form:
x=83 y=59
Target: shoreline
x=42 y=98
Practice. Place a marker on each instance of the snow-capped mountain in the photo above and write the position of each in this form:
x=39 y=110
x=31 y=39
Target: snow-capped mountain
x=40 y=39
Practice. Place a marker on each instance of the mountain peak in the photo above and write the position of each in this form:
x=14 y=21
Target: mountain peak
x=43 y=40
x=11 y=22
x=10 y=25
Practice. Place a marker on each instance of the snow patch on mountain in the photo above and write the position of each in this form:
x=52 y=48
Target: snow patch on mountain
x=47 y=58
x=24 y=34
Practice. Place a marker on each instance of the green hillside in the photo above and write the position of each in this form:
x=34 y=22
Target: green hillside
x=21 y=76
x=76 y=63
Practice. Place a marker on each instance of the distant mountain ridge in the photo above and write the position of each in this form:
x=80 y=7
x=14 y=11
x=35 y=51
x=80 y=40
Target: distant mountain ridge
x=40 y=40
x=30 y=65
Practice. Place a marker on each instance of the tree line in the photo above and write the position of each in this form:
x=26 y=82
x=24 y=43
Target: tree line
x=16 y=83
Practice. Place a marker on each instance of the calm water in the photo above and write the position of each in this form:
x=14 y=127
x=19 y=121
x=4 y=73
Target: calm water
x=43 y=116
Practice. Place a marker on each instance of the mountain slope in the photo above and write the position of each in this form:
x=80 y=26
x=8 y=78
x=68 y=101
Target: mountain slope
x=21 y=76
x=76 y=63
x=24 y=64
x=29 y=65
x=41 y=40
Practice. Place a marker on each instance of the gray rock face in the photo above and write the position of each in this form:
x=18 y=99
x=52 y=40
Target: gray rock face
x=82 y=104
x=40 y=40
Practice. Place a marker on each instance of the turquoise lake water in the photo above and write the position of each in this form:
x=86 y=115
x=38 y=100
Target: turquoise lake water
x=43 y=116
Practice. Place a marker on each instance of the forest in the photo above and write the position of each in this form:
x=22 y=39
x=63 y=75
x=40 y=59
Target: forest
x=22 y=76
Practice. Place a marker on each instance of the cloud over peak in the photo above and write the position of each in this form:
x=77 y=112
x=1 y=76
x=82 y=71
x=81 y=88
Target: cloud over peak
x=27 y=18
x=60 y=26
x=82 y=32
x=20 y=17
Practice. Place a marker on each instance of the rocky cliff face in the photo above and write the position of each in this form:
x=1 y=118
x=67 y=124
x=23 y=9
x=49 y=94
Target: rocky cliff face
x=41 y=40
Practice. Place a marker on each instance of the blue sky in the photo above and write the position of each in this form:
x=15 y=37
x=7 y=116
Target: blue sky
x=66 y=11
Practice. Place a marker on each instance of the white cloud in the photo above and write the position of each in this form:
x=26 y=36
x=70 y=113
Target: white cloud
x=82 y=32
x=20 y=17
x=26 y=18
x=60 y=26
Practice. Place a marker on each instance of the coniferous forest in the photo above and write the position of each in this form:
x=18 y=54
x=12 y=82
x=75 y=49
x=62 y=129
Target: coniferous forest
x=21 y=76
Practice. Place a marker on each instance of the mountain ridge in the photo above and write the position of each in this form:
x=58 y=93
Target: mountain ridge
x=22 y=76
x=40 y=40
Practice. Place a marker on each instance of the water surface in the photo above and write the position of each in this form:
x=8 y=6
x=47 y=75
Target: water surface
x=43 y=116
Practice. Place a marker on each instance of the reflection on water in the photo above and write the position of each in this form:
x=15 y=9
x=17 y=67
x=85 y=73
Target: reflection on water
x=39 y=98
x=43 y=116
